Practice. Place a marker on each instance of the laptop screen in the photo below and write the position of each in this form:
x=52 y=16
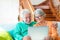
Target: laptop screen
x=58 y=28
x=38 y=33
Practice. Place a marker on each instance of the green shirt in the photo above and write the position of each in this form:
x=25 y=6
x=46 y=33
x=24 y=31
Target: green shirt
x=21 y=30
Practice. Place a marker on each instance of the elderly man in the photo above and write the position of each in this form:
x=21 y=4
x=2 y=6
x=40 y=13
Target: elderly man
x=21 y=30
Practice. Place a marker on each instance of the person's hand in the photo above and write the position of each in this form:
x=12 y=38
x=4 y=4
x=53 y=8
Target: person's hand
x=48 y=38
x=27 y=38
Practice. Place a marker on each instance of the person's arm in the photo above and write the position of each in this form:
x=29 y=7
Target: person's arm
x=54 y=30
x=17 y=32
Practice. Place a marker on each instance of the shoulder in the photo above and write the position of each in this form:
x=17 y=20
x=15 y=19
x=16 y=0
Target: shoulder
x=19 y=24
x=50 y=22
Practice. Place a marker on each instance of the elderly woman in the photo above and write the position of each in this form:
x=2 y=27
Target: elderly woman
x=21 y=30
x=40 y=19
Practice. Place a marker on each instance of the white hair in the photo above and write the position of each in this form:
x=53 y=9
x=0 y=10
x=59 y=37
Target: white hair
x=39 y=12
x=23 y=12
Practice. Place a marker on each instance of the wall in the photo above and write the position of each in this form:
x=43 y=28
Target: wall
x=36 y=2
x=9 y=11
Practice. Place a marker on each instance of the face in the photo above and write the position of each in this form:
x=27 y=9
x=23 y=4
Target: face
x=39 y=18
x=27 y=18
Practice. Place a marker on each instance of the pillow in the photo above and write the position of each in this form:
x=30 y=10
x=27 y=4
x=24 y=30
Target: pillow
x=4 y=35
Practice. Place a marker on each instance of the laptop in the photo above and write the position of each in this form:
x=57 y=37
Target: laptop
x=38 y=33
x=58 y=28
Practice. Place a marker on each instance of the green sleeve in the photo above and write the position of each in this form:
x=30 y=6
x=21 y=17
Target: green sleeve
x=17 y=31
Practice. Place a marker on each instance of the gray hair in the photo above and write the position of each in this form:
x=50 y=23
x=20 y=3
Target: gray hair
x=23 y=12
x=39 y=12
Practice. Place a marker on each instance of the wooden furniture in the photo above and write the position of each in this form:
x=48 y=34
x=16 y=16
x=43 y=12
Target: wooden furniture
x=55 y=8
x=46 y=8
x=25 y=4
x=52 y=11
